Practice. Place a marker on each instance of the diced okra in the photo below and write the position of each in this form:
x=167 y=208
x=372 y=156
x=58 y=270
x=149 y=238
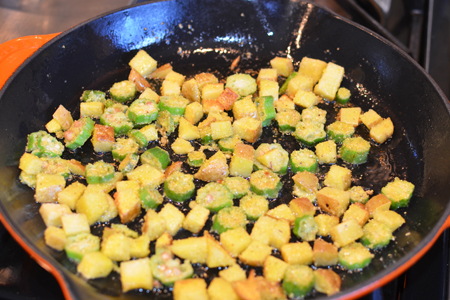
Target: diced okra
x=109 y=103
x=33 y=139
x=265 y=183
x=283 y=88
x=254 y=206
x=339 y=131
x=175 y=105
x=314 y=114
x=399 y=192
x=196 y=158
x=355 y=150
x=288 y=119
x=156 y=157
x=238 y=186
x=266 y=110
x=310 y=133
x=123 y=91
x=168 y=269
x=343 y=95
x=242 y=84
x=306 y=228
x=129 y=163
x=214 y=196
x=354 y=256
x=79 y=133
x=228 y=144
x=93 y=96
x=99 y=172
x=143 y=111
x=179 y=187
x=298 y=281
x=122 y=147
x=113 y=106
x=117 y=120
x=229 y=218
x=139 y=137
x=205 y=135
x=42 y=144
x=358 y=194
x=49 y=146
x=303 y=160
x=77 y=246
x=150 y=197
x=376 y=235
x=166 y=121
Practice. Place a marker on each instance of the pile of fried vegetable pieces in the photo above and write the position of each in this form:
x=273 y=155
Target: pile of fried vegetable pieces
x=334 y=223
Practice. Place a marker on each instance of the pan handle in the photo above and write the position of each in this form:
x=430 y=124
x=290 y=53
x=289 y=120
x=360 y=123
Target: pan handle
x=14 y=52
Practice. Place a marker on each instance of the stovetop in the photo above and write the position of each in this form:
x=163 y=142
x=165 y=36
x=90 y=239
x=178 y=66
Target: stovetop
x=420 y=27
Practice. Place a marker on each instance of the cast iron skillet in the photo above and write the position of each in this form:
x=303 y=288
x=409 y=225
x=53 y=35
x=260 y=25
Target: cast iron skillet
x=197 y=35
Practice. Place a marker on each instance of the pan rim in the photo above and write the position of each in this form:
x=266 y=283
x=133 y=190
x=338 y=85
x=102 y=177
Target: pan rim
x=404 y=262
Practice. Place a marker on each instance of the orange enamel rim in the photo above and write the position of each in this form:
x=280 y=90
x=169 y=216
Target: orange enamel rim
x=13 y=53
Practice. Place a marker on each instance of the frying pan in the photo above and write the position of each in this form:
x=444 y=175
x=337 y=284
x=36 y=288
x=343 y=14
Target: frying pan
x=206 y=35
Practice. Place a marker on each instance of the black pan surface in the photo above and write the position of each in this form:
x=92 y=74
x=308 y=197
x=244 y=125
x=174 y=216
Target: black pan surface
x=207 y=35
